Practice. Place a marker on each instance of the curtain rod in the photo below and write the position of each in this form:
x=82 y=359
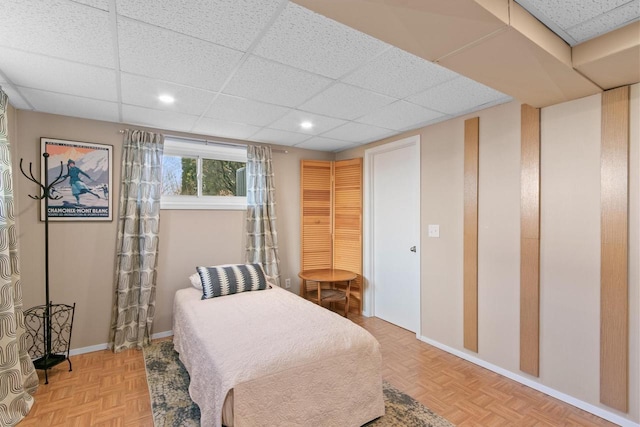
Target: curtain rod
x=207 y=142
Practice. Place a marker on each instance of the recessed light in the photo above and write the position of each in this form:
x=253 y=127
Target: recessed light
x=167 y=99
x=306 y=125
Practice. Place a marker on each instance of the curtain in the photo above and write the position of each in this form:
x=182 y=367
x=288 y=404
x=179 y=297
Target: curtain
x=262 y=238
x=137 y=244
x=18 y=377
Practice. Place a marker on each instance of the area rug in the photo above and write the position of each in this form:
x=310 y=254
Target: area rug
x=172 y=407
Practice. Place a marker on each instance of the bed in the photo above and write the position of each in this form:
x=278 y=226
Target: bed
x=271 y=358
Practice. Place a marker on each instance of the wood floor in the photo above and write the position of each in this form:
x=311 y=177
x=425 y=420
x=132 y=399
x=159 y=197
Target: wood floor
x=464 y=393
x=107 y=389
x=104 y=389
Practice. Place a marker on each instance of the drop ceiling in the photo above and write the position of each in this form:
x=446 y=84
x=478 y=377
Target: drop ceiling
x=577 y=21
x=250 y=70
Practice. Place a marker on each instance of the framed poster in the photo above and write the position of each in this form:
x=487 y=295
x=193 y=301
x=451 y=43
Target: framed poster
x=84 y=171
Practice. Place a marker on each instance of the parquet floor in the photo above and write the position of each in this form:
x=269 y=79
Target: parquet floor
x=107 y=389
x=104 y=389
x=464 y=393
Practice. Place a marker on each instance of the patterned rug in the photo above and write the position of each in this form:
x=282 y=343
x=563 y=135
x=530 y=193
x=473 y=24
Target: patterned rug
x=172 y=407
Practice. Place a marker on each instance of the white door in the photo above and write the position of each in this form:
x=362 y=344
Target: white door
x=393 y=228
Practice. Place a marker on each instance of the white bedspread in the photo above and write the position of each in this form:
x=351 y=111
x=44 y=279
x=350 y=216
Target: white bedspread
x=288 y=361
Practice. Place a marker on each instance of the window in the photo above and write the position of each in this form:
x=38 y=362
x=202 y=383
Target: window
x=203 y=176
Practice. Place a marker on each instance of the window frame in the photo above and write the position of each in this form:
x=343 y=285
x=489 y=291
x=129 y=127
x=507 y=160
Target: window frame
x=203 y=150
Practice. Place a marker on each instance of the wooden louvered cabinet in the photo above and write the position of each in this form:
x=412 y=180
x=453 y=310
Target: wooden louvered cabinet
x=316 y=214
x=331 y=219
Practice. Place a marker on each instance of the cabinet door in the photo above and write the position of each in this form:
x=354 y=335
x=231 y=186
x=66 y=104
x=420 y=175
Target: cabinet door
x=347 y=229
x=316 y=214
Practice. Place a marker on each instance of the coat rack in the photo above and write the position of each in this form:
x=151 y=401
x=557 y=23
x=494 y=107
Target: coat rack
x=49 y=326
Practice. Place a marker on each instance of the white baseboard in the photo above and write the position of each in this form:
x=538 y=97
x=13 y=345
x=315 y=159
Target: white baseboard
x=90 y=349
x=104 y=346
x=595 y=410
x=162 y=335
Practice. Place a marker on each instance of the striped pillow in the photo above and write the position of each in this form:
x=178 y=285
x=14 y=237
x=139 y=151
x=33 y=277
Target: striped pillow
x=226 y=280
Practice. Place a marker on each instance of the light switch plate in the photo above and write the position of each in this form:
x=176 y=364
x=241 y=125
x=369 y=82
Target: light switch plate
x=434 y=230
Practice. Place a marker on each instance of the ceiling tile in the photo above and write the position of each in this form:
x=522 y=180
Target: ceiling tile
x=98 y=4
x=279 y=137
x=567 y=13
x=577 y=20
x=166 y=55
x=74 y=106
x=230 y=23
x=224 y=129
x=15 y=98
x=604 y=23
x=458 y=96
x=144 y=92
x=345 y=102
x=169 y=120
x=58 y=28
x=325 y=144
x=291 y=122
x=57 y=75
x=58 y=57
x=309 y=41
x=358 y=133
x=271 y=82
x=399 y=74
x=242 y=110
x=400 y=116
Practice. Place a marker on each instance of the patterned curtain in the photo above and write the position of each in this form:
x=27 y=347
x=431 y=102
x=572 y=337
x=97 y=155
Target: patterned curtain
x=18 y=378
x=137 y=245
x=262 y=238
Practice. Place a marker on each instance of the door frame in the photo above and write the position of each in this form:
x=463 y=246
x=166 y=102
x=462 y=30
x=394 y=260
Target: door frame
x=368 y=308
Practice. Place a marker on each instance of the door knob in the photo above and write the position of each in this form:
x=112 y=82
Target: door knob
x=412 y=248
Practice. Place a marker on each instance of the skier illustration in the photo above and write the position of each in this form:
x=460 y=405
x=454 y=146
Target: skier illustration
x=78 y=186
x=105 y=190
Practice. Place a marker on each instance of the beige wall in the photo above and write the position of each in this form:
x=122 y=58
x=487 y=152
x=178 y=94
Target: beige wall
x=442 y=179
x=82 y=255
x=570 y=247
x=570 y=242
x=499 y=235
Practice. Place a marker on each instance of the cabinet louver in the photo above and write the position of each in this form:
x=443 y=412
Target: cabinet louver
x=331 y=219
x=316 y=196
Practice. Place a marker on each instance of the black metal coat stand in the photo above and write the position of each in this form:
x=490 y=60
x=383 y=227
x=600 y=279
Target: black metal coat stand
x=49 y=326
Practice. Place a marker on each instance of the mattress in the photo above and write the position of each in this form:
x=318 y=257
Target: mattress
x=284 y=361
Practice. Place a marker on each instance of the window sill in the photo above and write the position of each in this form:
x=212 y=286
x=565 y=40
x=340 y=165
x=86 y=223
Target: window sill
x=204 y=203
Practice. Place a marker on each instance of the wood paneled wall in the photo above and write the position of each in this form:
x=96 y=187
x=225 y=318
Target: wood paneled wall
x=530 y=240
x=614 y=288
x=471 y=151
